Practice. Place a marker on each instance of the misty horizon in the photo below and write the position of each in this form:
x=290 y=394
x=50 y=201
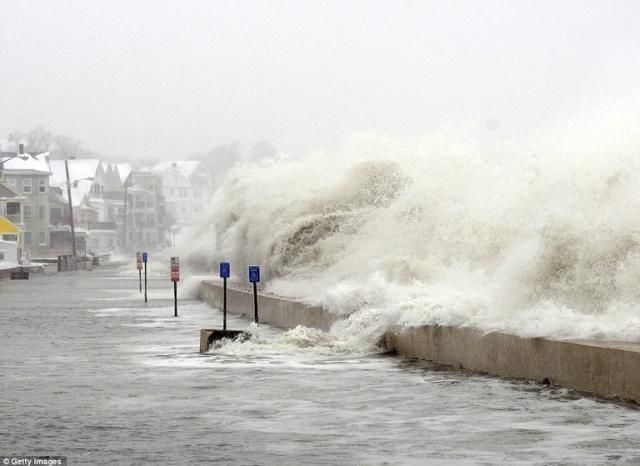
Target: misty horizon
x=171 y=79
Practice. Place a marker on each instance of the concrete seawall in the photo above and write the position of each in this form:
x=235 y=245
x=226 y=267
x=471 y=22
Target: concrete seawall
x=273 y=310
x=610 y=369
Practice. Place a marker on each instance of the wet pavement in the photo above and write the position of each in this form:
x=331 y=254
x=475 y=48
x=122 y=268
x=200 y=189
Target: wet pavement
x=88 y=371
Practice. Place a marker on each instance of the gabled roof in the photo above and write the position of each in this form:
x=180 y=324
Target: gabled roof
x=185 y=167
x=28 y=164
x=124 y=169
x=7 y=193
x=8 y=227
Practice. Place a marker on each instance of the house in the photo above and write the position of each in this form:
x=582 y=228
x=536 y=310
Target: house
x=28 y=176
x=186 y=188
x=86 y=177
x=146 y=224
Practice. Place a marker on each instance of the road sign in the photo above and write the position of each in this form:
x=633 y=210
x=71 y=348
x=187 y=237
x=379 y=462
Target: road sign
x=254 y=273
x=175 y=269
x=225 y=270
x=145 y=256
x=139 y=260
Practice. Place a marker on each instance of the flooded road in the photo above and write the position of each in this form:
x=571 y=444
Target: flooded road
x=88 y=371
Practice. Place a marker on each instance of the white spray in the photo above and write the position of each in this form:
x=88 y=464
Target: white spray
x=542 y=241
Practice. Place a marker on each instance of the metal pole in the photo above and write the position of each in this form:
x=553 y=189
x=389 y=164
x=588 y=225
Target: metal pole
x=140 y=279
x=124 y=223
x=145 y=282
x=224 y=304
x=255 y=302
x=73 y=231
x=175 y=299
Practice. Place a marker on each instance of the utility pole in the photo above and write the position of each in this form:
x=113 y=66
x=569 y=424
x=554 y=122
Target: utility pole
x=124 y=224
x=73 y=231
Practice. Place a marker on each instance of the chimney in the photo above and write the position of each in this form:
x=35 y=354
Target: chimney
x=21 y=149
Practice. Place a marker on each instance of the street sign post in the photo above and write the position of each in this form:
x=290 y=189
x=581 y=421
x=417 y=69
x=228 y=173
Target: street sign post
x=254 y=277
x=175 y=277
x=139 y=267
x=145 y=257
x=225 y=272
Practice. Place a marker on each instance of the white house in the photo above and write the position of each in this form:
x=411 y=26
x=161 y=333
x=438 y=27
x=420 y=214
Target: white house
x=186 y=188
x=29 y=176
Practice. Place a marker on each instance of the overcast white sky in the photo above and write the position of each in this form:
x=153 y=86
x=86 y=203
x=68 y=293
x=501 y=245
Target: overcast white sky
x=168 y=78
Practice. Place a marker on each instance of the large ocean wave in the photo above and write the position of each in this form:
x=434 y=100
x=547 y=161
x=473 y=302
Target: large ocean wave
x=540 y=242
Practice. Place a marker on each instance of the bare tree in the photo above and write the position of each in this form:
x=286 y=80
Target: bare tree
x=59 y=146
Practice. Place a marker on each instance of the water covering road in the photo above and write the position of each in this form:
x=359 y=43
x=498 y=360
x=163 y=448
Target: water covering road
x=87 y=370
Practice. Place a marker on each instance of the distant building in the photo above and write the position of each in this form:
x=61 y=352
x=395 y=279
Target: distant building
x=186 y=188
x=146 y=226
x=82 y=176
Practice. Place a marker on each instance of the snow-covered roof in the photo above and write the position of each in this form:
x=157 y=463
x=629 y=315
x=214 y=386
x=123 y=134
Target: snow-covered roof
x=124 y=169
x=29 y=163
x=185 y=167
x=79 y=170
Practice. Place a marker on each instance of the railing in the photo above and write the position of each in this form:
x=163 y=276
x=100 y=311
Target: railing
x=13 y=218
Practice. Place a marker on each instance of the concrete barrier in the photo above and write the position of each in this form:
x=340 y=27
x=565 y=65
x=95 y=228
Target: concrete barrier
x=274 y=310
x=208 y=335
x=605 y=368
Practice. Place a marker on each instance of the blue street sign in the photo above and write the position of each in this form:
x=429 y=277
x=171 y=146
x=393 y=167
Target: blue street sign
x=144 y=257
x=254 y=273
x=225 y=270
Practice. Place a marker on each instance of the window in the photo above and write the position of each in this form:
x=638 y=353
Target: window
x=42 y=237
x=27 y=184
x=1 y=255
x=172 y=192
x=11 y=181
x=42 y=186
x=42 y=212
x=27 y=212
x=27 y=238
